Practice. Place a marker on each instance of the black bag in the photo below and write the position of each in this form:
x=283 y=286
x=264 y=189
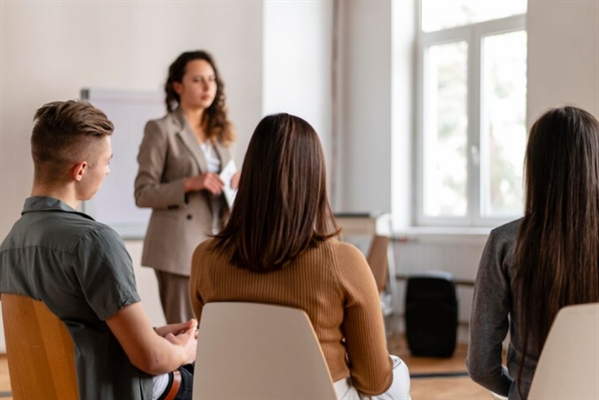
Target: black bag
x=431 y=314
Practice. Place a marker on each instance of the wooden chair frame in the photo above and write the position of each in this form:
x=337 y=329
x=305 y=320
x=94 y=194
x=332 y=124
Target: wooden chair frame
x=39 y=351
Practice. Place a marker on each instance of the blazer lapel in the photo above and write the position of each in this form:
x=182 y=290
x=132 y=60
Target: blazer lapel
x=189 y=139
x=223 y=153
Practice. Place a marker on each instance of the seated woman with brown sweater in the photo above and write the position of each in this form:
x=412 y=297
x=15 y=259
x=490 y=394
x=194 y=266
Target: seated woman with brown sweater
x=278 y=248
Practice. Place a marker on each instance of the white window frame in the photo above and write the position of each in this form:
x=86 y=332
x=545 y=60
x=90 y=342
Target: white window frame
x=473 y=35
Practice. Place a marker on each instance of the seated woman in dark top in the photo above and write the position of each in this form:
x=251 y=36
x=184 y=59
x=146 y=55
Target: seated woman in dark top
x=549 y=259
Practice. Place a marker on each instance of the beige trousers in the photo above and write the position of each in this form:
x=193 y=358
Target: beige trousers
x=399 y=390
x=174 y=297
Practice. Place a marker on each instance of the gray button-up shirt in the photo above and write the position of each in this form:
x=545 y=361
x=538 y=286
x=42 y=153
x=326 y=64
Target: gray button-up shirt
x=81 y=270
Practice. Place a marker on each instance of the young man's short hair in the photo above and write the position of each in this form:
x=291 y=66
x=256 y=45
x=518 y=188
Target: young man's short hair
x=65 y=133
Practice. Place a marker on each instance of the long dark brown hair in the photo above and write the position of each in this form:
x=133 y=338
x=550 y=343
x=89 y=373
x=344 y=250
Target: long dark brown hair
x=557 y=253
x=214 y=119
x=281 y=208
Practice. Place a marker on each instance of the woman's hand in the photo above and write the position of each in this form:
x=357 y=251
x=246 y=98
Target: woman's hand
x=207 y=181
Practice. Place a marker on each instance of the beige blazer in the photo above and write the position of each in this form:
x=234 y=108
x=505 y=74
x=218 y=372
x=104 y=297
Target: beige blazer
x=169 y=153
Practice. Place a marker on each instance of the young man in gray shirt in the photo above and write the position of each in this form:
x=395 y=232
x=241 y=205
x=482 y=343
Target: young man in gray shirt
x=81 y=270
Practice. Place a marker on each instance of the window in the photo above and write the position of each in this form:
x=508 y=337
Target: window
x=472 y=111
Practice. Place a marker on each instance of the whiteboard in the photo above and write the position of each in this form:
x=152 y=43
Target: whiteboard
x=129 y=111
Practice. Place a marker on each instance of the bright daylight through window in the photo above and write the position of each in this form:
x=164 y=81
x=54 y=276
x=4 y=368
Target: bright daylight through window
x=472 y=111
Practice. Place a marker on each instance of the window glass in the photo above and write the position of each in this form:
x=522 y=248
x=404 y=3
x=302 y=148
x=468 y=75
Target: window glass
x=446 y=125
x=442 y=14
x=503 y=122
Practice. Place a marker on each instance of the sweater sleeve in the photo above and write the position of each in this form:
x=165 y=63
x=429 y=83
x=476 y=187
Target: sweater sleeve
x=371 y=368
x=489 y=322
x=197 y=261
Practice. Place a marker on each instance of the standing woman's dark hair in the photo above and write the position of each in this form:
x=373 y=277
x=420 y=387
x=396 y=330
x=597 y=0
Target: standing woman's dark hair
x=214 y=119
x=557 y=255
x=281 y=208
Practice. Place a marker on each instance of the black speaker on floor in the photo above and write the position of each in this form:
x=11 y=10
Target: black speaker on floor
x=431 y=314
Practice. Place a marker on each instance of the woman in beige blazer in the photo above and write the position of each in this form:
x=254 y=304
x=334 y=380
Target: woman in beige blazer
x=179 y=160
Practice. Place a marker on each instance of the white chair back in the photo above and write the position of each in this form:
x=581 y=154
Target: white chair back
x=568 y=367
x=259 y=351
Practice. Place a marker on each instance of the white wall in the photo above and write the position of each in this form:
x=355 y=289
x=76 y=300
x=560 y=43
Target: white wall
x=297 y=62
x=563 y=55
x=366 y=106
x=50 y=50
x=403 y=109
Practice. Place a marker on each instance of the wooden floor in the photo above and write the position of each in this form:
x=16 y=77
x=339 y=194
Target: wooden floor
x=438 y=387
x=422 y=388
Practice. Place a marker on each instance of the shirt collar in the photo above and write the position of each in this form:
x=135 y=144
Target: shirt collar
x=45 y=203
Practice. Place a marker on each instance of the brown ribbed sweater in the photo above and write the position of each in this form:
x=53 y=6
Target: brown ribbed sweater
x=332 y=283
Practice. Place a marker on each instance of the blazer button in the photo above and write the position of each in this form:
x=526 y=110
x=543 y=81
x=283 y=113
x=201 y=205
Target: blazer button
x=189 y=216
